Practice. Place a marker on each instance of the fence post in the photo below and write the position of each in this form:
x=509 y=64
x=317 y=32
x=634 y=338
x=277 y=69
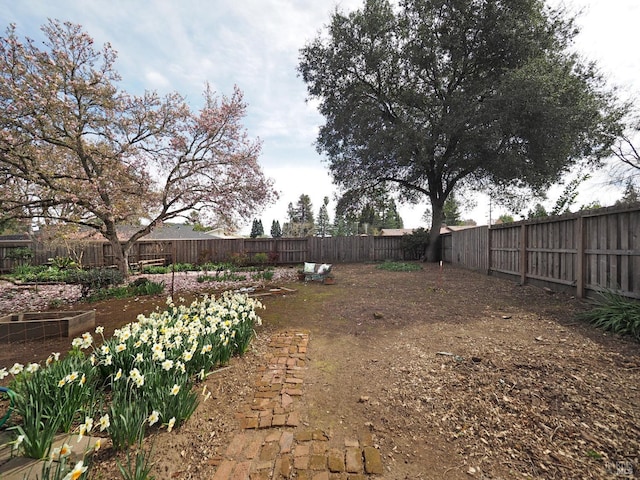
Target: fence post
x=579 y=234
x=523 y=254
x=489 y=250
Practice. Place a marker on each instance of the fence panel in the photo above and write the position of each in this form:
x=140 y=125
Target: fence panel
x=504 y=250
x=469 y=247
x=612 y=252
x=550 y=251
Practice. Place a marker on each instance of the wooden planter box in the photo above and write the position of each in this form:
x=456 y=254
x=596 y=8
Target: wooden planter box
x=39 y=325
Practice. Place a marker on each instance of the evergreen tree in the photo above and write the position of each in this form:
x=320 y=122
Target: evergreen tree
x=538 y=211
x=323 y=227
x=630 y=195
x=451 y=211
x=276 y=231
x=344 y=226
x=256 y=229
x=301 y=222
x=391 y=217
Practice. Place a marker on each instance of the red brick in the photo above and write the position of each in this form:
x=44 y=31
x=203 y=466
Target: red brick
x=284 y=466
x=335 y=460
x=278 y=420
x=301 y=450
x=248 y=423
x=224 y=470
x=353 y=460
x=321 y=476
x=265 y=421
x=241 y=472
x=294 y=392
x=293 y=420
x=253 y=448
x=286 y=400
x=286 y=441
x=372 y=461
x=318 y=462
x=269 y=451
x=236 y=446
x=301 y=462
x=273 y=436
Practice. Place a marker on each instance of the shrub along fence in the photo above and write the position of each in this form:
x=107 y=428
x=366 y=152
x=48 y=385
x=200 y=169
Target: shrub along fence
x=580 y=253
x=278 y=251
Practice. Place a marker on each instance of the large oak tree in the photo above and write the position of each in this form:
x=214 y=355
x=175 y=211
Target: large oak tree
x=74 y=148
x=436 y=95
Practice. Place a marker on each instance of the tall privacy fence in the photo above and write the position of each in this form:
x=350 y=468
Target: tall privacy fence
x=579 y=253
x=280 y=250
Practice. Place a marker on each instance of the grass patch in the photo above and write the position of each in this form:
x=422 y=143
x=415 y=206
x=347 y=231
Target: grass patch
x=614 y=313
x=399 y=267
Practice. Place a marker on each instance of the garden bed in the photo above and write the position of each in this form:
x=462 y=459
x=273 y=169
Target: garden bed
x=26 y=326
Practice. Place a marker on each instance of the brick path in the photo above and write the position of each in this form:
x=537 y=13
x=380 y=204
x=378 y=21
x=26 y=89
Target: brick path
x=274 y=445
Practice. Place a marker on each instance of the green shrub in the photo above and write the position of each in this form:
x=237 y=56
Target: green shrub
x=615 y=313
x=399 y=266
x=22 y=254
x=239 y=259
x=95 y=279
x=260 y=258
x=415 y=245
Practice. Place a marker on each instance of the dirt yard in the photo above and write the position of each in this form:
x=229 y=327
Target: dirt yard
x=452 y=374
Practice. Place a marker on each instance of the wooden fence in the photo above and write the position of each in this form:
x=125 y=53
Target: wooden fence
x=581 y=253
x=278 y=250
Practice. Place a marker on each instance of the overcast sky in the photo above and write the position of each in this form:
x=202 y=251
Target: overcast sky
x=179 y=45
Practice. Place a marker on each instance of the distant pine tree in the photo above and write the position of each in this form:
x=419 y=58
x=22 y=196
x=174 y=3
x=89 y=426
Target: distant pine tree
x=256 y=229
x=276 y=231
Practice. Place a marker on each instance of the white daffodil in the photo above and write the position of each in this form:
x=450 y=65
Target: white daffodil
x=171 y=423
x=77 y=471
x=154 y=417
x=104 y=422
x=16 y=369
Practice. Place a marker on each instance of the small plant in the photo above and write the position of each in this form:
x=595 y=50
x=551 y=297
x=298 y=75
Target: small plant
x=263 y=275
x=615 y=313
x=156 y=270
x=62 y=263
x=399 y=266
x=260 y=258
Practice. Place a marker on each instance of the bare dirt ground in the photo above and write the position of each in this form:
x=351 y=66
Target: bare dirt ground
x=453 y=373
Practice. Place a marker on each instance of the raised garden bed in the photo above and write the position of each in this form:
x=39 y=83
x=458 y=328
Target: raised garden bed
x=17 y=327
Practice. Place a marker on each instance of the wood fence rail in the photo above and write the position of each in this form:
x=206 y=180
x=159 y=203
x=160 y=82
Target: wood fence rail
x=278 y=250
x=580 y=253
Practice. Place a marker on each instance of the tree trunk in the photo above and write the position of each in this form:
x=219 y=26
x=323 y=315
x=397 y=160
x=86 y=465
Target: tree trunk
x=433 y=249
